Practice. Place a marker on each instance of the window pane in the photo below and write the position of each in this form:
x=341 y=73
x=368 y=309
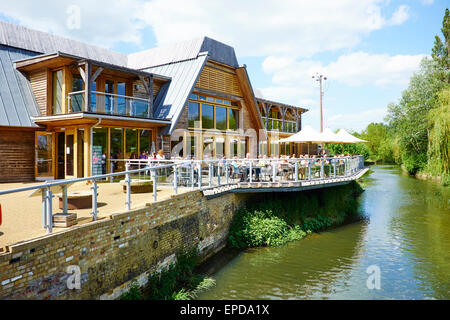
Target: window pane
x=116 y=149
x=201 y=98
x=44 y=155
x=227 y=102
x=109 y=100
x=233 y=115
x=99 y=147
x=221 y=118
x=193 y=97
x=121 y=102
x=57 y=92
x=193 y=115
x=208 y=147
x=93 y=97
x=210 y=99
x=145 y=141
x=77 y=99
x=131 y=144
x=207 y=116
x=219 y=101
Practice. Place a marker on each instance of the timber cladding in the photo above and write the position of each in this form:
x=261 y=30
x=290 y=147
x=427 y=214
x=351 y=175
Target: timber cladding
x=113 y=252
x=16 y=155
x=215 y=79
x=40 y=86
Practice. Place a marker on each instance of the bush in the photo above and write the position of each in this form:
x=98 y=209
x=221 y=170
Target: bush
x=414 y=162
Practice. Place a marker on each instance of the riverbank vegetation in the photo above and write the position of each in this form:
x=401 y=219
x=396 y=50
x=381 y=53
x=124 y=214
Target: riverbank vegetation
x=177 y=282
x=416 y=134
x=284 y=218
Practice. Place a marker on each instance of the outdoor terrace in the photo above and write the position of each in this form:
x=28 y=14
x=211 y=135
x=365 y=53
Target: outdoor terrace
x=27 y=208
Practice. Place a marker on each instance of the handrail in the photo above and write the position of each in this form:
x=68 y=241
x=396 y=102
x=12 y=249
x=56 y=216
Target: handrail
x=108 y=94
x=192 y=172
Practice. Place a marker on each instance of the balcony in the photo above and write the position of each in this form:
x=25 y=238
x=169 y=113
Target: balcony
x=277 y=125
x=109 y=104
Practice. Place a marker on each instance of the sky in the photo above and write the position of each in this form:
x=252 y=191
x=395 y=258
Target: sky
x=367 y=49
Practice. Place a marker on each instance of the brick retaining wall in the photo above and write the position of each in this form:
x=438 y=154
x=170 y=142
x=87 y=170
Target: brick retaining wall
x=114 y=251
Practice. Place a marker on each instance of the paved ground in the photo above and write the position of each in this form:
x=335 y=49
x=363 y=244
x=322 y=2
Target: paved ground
x=22 y=215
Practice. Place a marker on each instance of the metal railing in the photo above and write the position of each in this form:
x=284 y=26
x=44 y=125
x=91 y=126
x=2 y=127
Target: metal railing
x=108 y=103
x=200 y=174
x=274 y=124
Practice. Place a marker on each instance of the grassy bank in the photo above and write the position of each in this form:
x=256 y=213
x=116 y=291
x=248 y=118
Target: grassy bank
x=282 y=218
x=177 y=282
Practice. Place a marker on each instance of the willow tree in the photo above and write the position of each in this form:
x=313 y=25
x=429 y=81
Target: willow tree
x=439 y=137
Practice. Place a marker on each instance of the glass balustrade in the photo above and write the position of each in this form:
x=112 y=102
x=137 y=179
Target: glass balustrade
x=107 y=103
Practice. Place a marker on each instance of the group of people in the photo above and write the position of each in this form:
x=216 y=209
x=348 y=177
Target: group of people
x=145 y=155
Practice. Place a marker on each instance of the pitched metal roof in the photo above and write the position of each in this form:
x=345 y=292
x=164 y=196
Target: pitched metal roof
x=174 y=94
x=181 y=51
x=33 y=40
x=17 y=103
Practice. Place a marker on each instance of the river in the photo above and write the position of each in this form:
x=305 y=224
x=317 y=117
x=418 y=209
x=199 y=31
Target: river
x=406 y=236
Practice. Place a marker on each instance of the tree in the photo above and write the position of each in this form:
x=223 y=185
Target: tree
x=440 y=51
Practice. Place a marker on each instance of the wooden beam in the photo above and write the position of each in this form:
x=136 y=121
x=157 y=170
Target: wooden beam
x=96 y=74
x=150 y=98
x=82 y=74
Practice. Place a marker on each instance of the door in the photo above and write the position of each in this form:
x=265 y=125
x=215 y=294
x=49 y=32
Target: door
x=44 y=165
x=60 y=155
x=70 y=156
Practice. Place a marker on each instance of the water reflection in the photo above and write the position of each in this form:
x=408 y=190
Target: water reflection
x=407 y=236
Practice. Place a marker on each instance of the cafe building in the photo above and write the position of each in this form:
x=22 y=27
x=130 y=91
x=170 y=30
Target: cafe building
x=70 y=109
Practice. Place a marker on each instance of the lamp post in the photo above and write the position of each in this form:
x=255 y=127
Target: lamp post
x=320 y=78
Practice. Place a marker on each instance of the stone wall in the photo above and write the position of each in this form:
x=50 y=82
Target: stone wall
x=116 y=250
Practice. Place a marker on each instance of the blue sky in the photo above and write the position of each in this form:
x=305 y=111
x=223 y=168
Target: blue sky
x=368 y=49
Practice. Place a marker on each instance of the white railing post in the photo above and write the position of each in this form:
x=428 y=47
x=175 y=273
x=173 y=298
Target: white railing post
x=309 y=169
x=64 y=198
x=345 y=167
x=199 y=175
x=128 y=183
x=296 y=170
x=226 y=172
x=154 y=178
x=274 y=170
x=49 y=211
x=334 y=168
x=44 y=207
x=322 y=171
x=210 y=173
x=175 y=178
x=111 y=170
x=250 y=172
x=218 y=173
x=192 y=175
x=94 y=189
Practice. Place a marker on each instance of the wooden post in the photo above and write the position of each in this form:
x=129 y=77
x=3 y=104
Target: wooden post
x=87 y=85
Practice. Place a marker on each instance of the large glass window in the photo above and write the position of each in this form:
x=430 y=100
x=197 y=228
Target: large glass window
x=69 y=154
x=44 y=155
x=220 y=147
x=99 y=150
x=221 y=118
x=208 y=147
x=193 y=115
x=116 y=148
x=57 y=92
x=93 y=97
x=145 y=141
x=109 y=100
x=234 y=147
x=77 y=99
x=131 y=151
x=233 y=116
x=207 y=116
x=121 y=101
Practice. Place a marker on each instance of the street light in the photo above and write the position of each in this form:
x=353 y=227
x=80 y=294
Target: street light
x=320 y=78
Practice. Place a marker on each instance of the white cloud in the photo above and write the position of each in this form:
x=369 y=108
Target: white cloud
x=272 y=27
x=356 y=120
x=400 y=16
x=427 y=2
x=101 y=22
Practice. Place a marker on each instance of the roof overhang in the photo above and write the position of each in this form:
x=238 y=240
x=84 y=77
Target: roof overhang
x=262 y=100
x=59 y=59
x=103 y=120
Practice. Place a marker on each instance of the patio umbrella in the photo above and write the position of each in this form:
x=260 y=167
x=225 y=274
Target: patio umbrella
x=348 y=138
x=329 y=136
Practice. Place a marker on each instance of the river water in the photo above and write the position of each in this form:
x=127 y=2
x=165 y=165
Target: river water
x=406 y=236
